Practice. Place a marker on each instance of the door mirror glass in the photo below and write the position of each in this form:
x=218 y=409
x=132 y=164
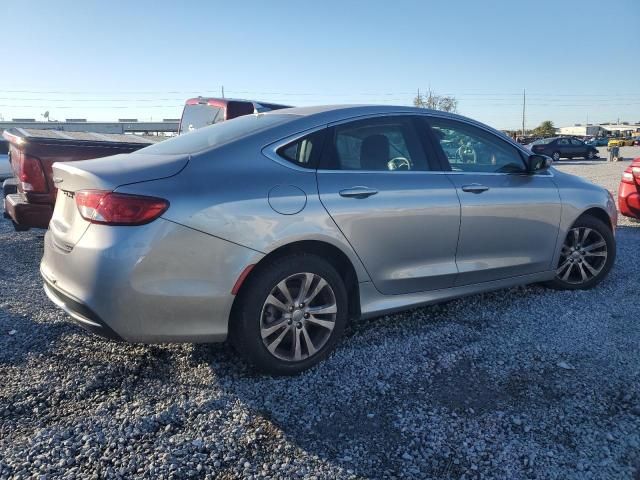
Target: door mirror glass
x=538 y=163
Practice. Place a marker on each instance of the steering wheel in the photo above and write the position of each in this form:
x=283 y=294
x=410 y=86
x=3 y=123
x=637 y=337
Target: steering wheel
x=467 y=154
x=399 y=163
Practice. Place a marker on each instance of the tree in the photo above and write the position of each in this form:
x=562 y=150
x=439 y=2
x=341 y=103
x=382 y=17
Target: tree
x=436 y=102
x=545 y=129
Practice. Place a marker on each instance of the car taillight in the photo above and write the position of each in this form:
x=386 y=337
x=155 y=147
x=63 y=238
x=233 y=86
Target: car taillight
x=31 y=175
x=631 y=175
x=110 y=208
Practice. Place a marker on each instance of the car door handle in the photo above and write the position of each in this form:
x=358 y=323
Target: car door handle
x=358 y=192
x=475 y=188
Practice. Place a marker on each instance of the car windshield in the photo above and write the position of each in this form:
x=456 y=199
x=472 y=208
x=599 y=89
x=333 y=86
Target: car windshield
x=217 y=134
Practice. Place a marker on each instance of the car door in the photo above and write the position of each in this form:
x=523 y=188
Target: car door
x=509 y=218
x=563 y=145
x=402 y=219
x=578 y=148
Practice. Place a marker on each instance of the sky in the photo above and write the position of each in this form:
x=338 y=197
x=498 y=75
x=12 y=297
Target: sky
x=578 y=61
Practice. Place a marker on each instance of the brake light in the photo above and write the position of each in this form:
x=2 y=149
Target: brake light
x=110 y=208
x=631 y=175
x=31 y=174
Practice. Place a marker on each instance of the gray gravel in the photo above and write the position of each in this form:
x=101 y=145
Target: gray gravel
x=520 y=383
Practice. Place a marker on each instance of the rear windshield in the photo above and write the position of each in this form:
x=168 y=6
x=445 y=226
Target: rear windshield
x=198 y=116
x=217 y=134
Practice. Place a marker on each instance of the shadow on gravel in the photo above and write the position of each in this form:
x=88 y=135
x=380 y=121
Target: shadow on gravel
x=21 y=337
x=429 y=376
x=353 y=418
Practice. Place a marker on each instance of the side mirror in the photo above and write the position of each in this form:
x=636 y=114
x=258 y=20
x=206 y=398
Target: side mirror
x=538 y=163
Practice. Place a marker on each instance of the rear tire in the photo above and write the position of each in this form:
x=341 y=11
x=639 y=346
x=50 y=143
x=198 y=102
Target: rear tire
x=555 y=156
x=588 y=253
x=273 y=325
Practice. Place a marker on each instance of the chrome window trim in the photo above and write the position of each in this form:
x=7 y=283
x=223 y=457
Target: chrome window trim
x=270 y=150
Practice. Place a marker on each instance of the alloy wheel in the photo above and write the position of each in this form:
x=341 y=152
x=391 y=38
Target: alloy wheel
x=298 y=317
x=556 y=156
x=583 y=256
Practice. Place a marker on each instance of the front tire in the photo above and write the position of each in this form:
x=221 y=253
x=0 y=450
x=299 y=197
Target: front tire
x=587 y=255
x=290 y=314
x=591 y=155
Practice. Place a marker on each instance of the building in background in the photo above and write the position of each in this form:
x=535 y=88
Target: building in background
x=168 y=126
x=617 y=129
x=624 y=129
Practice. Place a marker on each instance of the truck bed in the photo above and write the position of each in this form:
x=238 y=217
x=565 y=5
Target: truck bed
x=84 y=138
x=38 y=150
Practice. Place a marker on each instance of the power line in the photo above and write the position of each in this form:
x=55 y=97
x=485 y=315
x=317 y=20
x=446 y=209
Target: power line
x=324 y=93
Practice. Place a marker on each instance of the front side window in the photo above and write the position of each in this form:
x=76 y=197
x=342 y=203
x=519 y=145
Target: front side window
x=470 y=149
x=383 y=144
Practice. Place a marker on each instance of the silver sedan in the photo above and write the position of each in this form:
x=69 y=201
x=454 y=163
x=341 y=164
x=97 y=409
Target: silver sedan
x=274 y=229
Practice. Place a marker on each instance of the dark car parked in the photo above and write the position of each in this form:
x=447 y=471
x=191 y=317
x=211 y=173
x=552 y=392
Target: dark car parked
x=564 y=147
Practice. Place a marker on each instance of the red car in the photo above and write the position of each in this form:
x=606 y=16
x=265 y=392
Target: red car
x=629 y=191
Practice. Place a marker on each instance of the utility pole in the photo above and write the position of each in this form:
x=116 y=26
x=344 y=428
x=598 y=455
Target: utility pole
x=222 y=90
x=524 y=102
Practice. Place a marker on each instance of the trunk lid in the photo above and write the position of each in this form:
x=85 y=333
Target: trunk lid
x=67 y=225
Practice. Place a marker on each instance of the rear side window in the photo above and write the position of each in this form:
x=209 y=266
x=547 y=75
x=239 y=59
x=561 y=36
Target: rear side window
x=384 y=144
x=305 y=151
x=217 y=134
x=563 y=141
x=576 y=142
x=4 y=147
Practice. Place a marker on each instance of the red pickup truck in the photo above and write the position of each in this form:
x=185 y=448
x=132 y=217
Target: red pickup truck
x=30 y=196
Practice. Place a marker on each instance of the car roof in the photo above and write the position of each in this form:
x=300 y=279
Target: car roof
x=350 y=110
x=335 y=113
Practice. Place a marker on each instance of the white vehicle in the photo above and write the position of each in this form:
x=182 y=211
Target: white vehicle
x=5 y=168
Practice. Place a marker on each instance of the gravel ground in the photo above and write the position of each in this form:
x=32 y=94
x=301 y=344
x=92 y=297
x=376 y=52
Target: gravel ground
x=520 y=383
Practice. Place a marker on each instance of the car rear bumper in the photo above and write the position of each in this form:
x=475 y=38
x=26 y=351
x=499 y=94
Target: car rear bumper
x=78 y=311
x=160 y=282
x=34 y=215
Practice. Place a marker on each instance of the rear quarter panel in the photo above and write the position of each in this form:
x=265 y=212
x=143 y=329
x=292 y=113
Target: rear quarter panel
x=230 y=192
